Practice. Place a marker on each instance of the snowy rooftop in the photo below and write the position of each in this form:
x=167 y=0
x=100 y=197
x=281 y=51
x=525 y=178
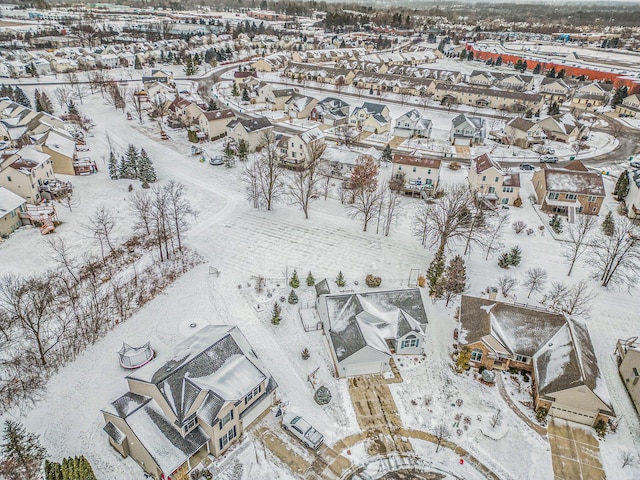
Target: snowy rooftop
x=573 y=181
x=9 y=201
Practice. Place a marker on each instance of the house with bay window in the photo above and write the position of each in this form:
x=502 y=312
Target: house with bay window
x=190 y=402
x=569 y=190
x=493 y=184
x=554 y=348
x=364 y=330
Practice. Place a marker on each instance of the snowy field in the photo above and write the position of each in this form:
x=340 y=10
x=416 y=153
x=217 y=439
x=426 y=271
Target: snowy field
x=241 y=243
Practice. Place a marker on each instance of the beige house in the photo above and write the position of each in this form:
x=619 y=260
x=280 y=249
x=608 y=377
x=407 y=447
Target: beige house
x=271 y=63
x=487 y=98
x=418 y=174
x=251 y=131
x=593 y=95
x=63 y=65
x=628 y=355
x=492 y=183
x=564 y=128
x=300 y=106
x=25 y=171
x=276 y=98
x=10 y=207
x=632 y=200
x=371 y=117
x=214 y=123
x=554 y=348
x=555 y=90
x=61 y=147
x=295 y=149
x=629 y=107
x=569 y=190
x=524 y=133
x=189 y=403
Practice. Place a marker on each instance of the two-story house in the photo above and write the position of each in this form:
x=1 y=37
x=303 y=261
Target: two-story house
x=554 y=90
x=276 y=98
x=553 y=347
x=524 y=133
x=371 y=117
x=10 y=207
x=569 y=190
x=632 y=199
x=25 y=171
x=628 y=355
x=295 y=149
x=418 y=174
x=299 y=106
x=252 y=131
x=214 y=123
x=412 y=124
x=331 y=111
x=189 y=403
x=592 y=95
x=629 y=107
x=564 y=127
x=467 y=130
x=492 y=183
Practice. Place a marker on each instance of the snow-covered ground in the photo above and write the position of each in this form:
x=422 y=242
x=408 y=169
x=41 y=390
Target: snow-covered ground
x=241 y=243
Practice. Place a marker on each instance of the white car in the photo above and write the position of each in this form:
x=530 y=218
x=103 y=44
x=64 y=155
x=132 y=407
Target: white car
x=302 y=429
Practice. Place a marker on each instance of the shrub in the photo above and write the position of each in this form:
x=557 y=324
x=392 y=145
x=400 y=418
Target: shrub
x=517 y=202
x=481 y=368
x=454 y=166
x=373 y=281
x=519 y=226
x=422 y=280
x=310 y=280
x=601 y=428
x=295 y=281
x=305 y=354
x=293 y=298
x=525 y=377
x=515 y=256
x=462 y=364
x=340 y=280
x=503 y=260
x=541 y=414
x=556 y=223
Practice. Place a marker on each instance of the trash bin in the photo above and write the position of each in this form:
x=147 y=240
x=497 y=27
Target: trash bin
x=572 y=158
x=493 y=293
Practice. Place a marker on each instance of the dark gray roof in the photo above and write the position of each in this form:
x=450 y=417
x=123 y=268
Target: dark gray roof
x=322 y=287
x=334 y=103
x=373 y=108
x=285 y=92
x=252 y=124
x=474 y=121
x=114 y=432
x=209 y=409
x=127 y=404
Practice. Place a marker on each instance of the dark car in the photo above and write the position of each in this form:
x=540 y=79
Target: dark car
x=527 y=166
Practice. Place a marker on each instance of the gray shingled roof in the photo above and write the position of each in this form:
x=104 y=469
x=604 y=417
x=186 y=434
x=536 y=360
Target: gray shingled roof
x=251 y=124
x=126 y=404
x=114 y=432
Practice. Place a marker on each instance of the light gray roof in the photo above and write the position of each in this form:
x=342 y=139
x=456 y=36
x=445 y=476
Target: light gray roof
x=322 y=287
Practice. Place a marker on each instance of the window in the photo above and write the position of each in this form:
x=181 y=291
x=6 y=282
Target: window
x=591 y=198
x=8 y=178
x=191 y=423
x=254 y=393
x=227 y=437
x=428 y=171
x=635 y=372
x=497 y=179
x=484 y=178
x=492 y=189
x=226 y=419
x=553 y=196
x=571 y=196
x=522 y=359
x=399 y=167
x=409 y=342
x=507 y=189
x=476 y=355
x=414 y=169
x=594 y=209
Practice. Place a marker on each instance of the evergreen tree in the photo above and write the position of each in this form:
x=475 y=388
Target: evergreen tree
x=608 y=225
x=245 y=95
x=434 y=275
x=71 y=108
x=243 y=150
x=518 y=65
x=293 y=298
x=229 y=153
x=310 y=280
x=455 y=278
x=537 y=69
x=620 y=94
x=145 y=170
x=295 y=281
x=552 y=73
x=622 y=186
x=21 y=452
x=129 y=163
x=212 y=106
x=554 y=108
x=340 y=280
x=387 y=154
x=556 y=223
x=20 y=97
x=234 y=90
x=36 y=102
x=504 y=260
x=275 y=314
x=45 y=103
x=136 y=63
x=515 y=256
x=113 y=166
x=524 y=66
x=562 y=73
x=189 y=67
x=498 y=61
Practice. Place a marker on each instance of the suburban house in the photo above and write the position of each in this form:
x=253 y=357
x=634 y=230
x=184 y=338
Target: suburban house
x=295 y=148
x=276 y=98
x=632 y=200
x=509 y=81
x=240 y=77
x=628 y=355
x=250 y=130
x=63 y=65
x=371 y=117
x=331 y=111
x=342 y=160
x=159 y=75
x=189 y=403
x=214 y=123
x=629 y=107
x=10 y=207
x=492 y=183
x=364 y=330
x=320 y=73
x=484 y=97
x=554 y=90
x=553 y=347
x=564 y=127
x=593 y=95
x=299 y=106
x=412 y=124
x=468 y=131
x=418 y=174
x=569 y=190
x=271 y=63
x=41 y=66
x=108 y=60
x=25 y=171
x=61 y=147
x=524 y=133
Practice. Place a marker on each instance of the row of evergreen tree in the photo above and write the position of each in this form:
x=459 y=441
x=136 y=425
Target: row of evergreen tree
x=43 y=102
x=133 y=164
x=16 y=94
x=76 y=468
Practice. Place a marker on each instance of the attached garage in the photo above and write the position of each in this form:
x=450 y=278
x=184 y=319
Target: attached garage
x=257 y=409
x=578 y=416
x=366 y=368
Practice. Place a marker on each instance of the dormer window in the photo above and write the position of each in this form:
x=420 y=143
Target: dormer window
x=190 y=424
x=254 y=393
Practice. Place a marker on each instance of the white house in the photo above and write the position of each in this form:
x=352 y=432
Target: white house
x=365 y=329
x=295 y=148
x=418 y=174
x=251 y=131
x=41 y=66
x=412 y=124
x=467 y=130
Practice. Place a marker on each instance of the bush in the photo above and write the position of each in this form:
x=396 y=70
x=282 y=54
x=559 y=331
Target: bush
x=462 y=364
x=515 y=256
x=481 y=369
x=541 y=414
x=519 y=226
x=601 y=428
x=503 y=260
x=422 y=280
x=373 y=281
x=293 y=298
x=340 y=280
x=454 y=166
x=517 y=202
x=310 y=280
x=556 y=223
x=305 y=354
x=295 y=281
x=525 y=377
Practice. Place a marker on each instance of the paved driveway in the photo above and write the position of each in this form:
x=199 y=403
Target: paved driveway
x=575 y=452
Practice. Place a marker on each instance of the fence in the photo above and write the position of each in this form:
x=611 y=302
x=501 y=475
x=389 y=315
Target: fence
x=309 y=318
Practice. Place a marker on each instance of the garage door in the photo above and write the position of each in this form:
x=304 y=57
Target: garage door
x=365 y=369
x=256 y=411
x=578 y=416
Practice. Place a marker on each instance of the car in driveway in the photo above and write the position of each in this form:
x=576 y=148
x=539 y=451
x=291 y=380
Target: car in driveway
x=635 y=163
x=216 y=161
x=527 y=166
x=303 y=430
x=548 y=159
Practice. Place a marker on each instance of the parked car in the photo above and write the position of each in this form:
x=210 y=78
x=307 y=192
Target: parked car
x=216 y=161
x=527 y=166
x=303 y=430
x=548 y=159
x=635 y=163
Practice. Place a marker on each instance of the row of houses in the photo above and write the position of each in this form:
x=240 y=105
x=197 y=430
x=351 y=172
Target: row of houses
x=525 y=133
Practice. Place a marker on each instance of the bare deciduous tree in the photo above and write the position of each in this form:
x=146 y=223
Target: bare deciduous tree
x=69 y=200
x=616 y=257
x=491 y=238
x=63 y=96
x=140 y=204
x=304 y=184
x=534 y=280
x=555 y=296
x=251 y=179
x=98 y=80
x=441 y=433
x=115 y=95
x=578 y=234
x=134 y=99
x=101 y=225
x=179 y=208
x=496 y=419
x=579 y=299
x=347 y=135
x=506 y=283
x=389 y=208
x=63 y=257
x=365 y=205
x=628 y=457
x=269 y=171
x=78 y=87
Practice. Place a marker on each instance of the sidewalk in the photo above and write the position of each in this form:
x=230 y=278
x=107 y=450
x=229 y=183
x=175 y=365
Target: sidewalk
x=505 y=396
